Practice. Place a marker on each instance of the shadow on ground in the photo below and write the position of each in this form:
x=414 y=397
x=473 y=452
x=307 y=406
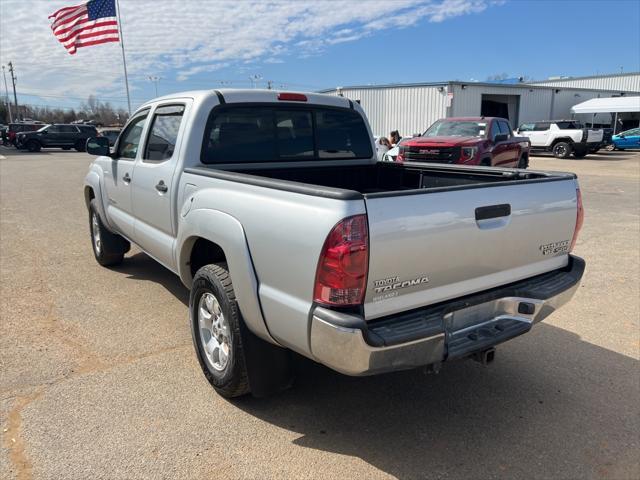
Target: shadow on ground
x=142 y=267
x=550 y=406
x=602 y=155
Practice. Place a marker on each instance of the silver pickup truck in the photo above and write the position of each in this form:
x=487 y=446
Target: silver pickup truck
x=272 y=209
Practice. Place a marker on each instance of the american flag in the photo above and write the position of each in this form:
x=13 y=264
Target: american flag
x=90 y=23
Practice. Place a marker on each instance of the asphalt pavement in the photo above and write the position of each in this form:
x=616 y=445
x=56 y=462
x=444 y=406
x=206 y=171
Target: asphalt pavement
x=98 y=378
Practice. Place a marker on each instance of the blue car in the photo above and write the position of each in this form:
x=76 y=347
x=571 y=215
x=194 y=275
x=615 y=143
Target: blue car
x=628 y=139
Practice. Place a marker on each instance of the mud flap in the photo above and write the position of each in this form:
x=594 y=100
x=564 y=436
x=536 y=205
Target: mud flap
x=269 y=367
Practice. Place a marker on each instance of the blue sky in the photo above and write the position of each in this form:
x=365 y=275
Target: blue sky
x=312 y=45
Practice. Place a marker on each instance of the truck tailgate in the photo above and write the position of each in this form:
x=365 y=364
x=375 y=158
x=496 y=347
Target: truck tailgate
x=440 y=244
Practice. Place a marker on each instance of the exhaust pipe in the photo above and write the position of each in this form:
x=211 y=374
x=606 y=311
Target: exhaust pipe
x=485 y=357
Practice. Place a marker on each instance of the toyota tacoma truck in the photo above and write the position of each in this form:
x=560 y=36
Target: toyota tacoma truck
x=272 y=209
x=486 y=141
x=562 y=138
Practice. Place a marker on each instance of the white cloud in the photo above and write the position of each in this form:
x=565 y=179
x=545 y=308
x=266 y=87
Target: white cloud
x=182 y=38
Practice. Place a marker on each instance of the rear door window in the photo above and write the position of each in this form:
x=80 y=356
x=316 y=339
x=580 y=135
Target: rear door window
x=504 y=128
x=239 y=134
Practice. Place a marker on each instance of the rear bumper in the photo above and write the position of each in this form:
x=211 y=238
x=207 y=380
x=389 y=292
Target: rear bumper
x=447 y=331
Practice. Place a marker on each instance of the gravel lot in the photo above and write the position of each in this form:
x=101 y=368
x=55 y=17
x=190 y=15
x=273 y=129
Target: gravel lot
x=98 y=378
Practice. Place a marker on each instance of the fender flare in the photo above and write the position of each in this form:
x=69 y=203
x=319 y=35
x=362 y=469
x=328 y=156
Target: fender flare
x=93 y=180
x=227 y=232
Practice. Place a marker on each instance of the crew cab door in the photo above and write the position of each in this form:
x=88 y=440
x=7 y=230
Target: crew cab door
x=153 y=186
x=512 y=149
x=119 y=172
x=500 y=151
x=539 y=136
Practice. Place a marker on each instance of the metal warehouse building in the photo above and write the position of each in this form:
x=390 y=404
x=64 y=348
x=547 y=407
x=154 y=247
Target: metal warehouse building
x=411 y=108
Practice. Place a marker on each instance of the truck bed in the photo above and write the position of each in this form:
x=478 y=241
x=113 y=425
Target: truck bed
x=380 y=179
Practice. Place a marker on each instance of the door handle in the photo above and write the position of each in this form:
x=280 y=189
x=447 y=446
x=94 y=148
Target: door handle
x=126 y=178
x=493 y=211
x=161 y=187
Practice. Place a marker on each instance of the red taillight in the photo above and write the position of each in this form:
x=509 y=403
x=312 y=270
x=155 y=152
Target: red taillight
x=292 y=97
x=341 y=277
x=579 y=219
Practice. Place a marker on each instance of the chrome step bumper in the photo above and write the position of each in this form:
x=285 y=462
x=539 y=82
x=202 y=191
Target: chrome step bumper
x=451 y=330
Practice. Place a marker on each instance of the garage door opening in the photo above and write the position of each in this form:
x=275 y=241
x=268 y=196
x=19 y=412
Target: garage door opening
x=505 y=106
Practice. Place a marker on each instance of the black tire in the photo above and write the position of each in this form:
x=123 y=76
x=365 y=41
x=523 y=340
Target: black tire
x=111 y=247
x=33 y=146
x=232 y=380
x=81 y=145
x=485 y=162
x=562 y=150
x=594 y=150
x=523 y=162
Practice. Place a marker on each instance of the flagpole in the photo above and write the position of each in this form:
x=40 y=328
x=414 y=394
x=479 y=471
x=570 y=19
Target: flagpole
x=124 y=60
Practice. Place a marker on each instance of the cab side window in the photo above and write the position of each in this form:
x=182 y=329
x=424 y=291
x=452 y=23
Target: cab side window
x=542 y=127
x=505 y=128
x=526 y=127
x=495 y=130
x=130 y=139
x=164 y=133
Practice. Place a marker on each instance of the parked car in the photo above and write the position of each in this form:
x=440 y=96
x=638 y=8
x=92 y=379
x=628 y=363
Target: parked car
x=15 y=128
x=562 y=137
x=628 y=139
x=486 y=141
x=273 y=209
x=111 y=134
x=58 y=135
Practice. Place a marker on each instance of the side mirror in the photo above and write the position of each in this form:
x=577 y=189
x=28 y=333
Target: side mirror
x=501 y=137
x=98 y=146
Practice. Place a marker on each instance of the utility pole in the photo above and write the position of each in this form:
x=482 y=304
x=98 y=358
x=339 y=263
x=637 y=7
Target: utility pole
x=269 y=82
x=6 y=94
x=13 y=81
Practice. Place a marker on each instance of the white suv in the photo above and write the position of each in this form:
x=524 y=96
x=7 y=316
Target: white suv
x=562 y=137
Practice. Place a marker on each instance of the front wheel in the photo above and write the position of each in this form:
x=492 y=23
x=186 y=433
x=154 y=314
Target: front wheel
x=216 y=331
x=108 y=248
x=523 y=162
x=562 y=150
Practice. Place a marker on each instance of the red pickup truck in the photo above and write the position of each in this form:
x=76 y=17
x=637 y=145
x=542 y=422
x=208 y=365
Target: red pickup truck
x=485 y=141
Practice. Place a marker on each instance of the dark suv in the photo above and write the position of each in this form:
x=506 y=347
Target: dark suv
x=65 y=136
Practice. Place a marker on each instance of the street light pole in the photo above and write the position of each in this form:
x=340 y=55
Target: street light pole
x=155 y=80
x=15 y=95
x=6 y=94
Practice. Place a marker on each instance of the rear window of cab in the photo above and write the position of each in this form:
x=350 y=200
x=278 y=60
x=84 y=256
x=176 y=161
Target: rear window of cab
x=248 y=134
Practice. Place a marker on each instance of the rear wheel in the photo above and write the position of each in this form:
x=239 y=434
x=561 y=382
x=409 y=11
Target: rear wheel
x=562 y=150
x=33 y=146
x=108 y=248
x=80 y=145
x=485 y=162
x=216 y=331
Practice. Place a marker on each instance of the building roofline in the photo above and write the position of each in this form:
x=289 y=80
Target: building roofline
x=460 y=82
x=568 y=79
